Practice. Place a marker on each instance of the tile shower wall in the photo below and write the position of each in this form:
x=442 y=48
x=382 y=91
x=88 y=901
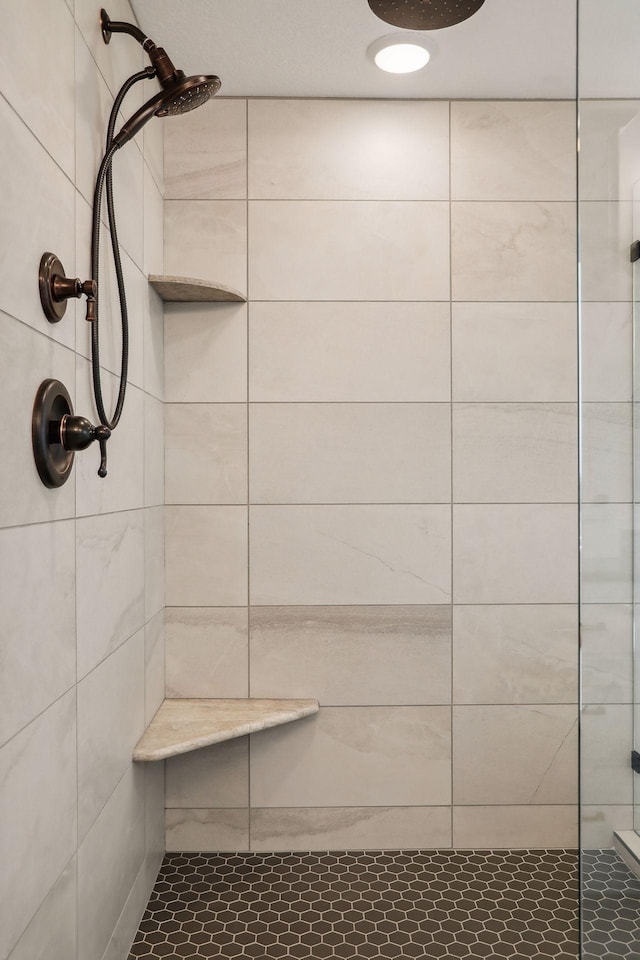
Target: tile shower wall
x=81 y=567
x=371 y=471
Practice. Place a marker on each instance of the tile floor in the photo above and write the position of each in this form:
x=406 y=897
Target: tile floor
x=364 y=906
x=610 y=907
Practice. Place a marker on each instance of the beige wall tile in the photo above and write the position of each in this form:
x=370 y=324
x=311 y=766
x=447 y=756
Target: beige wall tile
x=597 y=824
x=350 y=554
x=38 y=780
x=154 y=345
x=605 y=235
x=37 y=78
x=387 y=756
x=348 y=150
x=38 y=620
x=153 y=136
x=607 y=552
x=605 y=738
x=606 y=452
x=52 y=932
x=154 y=444
x=352 y=655
x=503 y=150
x=205 y=154
x=206 y=453
x=350 y=453
x=109 y=860
x=515 y=827
x=513 y=251
x=37 y=215
x=600 y=160
x=220 y=252
x=26 y=359
x=206 y=556
x=215 y=777
x=607 y=652
x=219 y=830
x=349 y=352
x=207 y=652
x=206 y=353
x=111 y=720
x=606 y=351
x=153 y=561
x=304 y=250
x=515 y=654
x=515 y=452
x=350 y=828
x=515 y=754
x=515 y=553
x=515 y=352
x=129 y=920
x=109 y=584
x=116 y=62
x=154 y=670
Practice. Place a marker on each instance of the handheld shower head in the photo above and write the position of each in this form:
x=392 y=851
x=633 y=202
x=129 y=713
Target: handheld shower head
x=180 y=96
x=179 y=93
x=424 y=14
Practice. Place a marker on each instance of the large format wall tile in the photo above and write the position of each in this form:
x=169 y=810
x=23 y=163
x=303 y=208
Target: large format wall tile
x=153 y=561
x=348 y=150
x=518 y=827
x=221 y=830
x=53 y=931
x=110 y=584
x=37 y=215
x=154 y=447
x=216 y=776
x=26 y=359
x=206 y=453
x=605 y=235
x=38 y=792
x=355 y=828
x=515 y=754
x=154 y=668
x=110 y=723
x=109 y=860
x=505 y=150
x=205 y=153
x=514 y=352
x=513 y=251
x=38 y=620
x=515 y=452
x=350 y=453
x=605 y=737
x=600 y=160
x=206 y=556
x=349 y=352
x=598 y=822
x=352 y=655
x=515 y=654
x=305 y=250
x=365 y=756
x=607 y=553
x=207 y=652
x=607 y=475
x=607 y=652
x=220 y=253
x=37 y=77
x=515 y=553
x=350 y=554
x=206 y=353
x=606 y=351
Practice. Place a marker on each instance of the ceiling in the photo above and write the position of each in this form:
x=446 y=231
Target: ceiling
x=318 y=48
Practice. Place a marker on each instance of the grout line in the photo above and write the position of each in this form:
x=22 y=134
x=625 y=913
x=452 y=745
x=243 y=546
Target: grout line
x=451 y=474
x=248 y=329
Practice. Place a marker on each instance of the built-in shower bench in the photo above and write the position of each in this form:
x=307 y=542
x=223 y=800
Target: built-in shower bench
x=191 y=290
x=182 y=725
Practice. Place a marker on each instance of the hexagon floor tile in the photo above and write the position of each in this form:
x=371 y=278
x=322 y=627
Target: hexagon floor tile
x=364 y=906
x=610 y=907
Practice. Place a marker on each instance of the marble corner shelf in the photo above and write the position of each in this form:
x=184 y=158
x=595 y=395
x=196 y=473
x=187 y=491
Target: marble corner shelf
x=189 y=290
x=182 y=725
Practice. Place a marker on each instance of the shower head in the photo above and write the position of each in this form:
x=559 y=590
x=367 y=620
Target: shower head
x=179 y=93
x=179 y=96
x=424 y=14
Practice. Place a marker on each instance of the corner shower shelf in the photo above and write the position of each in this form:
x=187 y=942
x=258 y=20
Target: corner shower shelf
x=189 y=290
x=183 y=725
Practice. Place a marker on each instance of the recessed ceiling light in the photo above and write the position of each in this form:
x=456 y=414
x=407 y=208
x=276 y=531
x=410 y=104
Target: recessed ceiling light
x=400 y=53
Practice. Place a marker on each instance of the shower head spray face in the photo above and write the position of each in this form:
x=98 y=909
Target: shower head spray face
x=424 y=14
x=187 y=94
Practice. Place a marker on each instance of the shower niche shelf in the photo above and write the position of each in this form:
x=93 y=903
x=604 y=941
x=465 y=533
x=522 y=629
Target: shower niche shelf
x=182 y=725
x=190 y=290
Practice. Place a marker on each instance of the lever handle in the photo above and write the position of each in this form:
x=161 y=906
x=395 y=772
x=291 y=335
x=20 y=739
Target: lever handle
x=78 y=433
x=65 y=287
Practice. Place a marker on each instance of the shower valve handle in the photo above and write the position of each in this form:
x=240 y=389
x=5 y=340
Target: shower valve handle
x=78 y=433
x=65 y=287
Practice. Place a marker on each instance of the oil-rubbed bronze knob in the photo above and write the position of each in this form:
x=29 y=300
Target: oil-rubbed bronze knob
x=56 y=288
x=77 y=433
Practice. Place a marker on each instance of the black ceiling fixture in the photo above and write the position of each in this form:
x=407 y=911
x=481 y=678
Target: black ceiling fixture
x=424 y=14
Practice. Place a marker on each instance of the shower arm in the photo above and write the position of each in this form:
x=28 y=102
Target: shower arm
x=159 y=58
